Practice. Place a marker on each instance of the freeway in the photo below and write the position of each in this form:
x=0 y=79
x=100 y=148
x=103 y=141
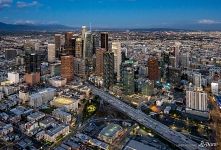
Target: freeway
x=176 y=138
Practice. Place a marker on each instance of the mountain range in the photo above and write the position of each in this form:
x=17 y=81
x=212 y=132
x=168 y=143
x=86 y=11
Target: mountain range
x=58 y=27
x=33 y=27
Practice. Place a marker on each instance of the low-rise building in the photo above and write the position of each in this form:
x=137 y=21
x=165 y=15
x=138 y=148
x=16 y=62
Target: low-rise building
x=57 y=81
x=42 y=97
x=69 y=104
x=13 y=77
x=5 y=128
x=110 y=133
x=35 y=116
x=62 y=115
x=47 y=122
x=52 y=134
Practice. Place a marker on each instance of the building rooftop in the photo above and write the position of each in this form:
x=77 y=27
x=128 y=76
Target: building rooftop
x=36 y=115
x=55 y=130
x=135 y=145
x=110 y=130
x=60 y=101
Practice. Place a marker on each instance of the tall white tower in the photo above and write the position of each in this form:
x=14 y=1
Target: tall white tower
x=177 y=53
x=84 y=30
x=116 y=48
x=51 y=53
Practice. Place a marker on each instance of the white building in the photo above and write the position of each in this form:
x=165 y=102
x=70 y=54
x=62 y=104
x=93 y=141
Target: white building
x=42 y=97
x=196 y=100
x=215 y=88
x=116 y=48
x=197 y=80
x=35 y=100
x=51 y=53
x=13 y=77
x=177 y=53
x=58 y=81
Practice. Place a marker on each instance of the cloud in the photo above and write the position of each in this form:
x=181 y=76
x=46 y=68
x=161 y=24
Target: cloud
x=5 y=3
x=22 y=4
x=25 y=22
x=208 y=21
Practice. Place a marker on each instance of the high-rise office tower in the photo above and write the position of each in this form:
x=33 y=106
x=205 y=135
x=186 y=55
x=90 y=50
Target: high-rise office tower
x=79 y=48
x=109 y=77
x=104 y=40
x=67 y=67
x=10 y=54
x=32 y=68
x=96 y=42
x=177 y=54
x=153 y=69
x=83 y=31
x=57 y=39
x=184 y=61
x=88 y=46
x=68 y=37
x=116 y=48
x=71 y=49
x=147 y=87
x=196 y=100
x=100 y=61
x=197 y=80
x=80 y=67
x=128 y=77
x=51 y=53
x=32 y=63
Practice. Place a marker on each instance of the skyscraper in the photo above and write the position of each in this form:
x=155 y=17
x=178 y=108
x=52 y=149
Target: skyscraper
x=184 y=61
x=197 y=80
x=100 y=61
x=57 y=39
x=104 y=40
x=96 y=42
x=67 y=67
x=177 y=54
x=79 y=67
x=51 y=53
x=116 y=48
x=83 y=31
x=109 y=76
x=153 y=69
x=68 y=37
x=32 y=68
x=147 y=88
x=79 y=48
x=88 y=45
x=127 y=77
x=72 y=51
x=10 y=54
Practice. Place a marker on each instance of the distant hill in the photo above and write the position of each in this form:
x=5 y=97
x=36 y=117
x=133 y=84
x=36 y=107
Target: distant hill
x=57 y=27
x=33 y=27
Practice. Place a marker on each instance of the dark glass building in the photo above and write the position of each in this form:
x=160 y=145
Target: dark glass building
x=109 y=76
x=104 y=40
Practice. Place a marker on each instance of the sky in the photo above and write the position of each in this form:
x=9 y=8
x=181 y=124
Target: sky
x=112 y=13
